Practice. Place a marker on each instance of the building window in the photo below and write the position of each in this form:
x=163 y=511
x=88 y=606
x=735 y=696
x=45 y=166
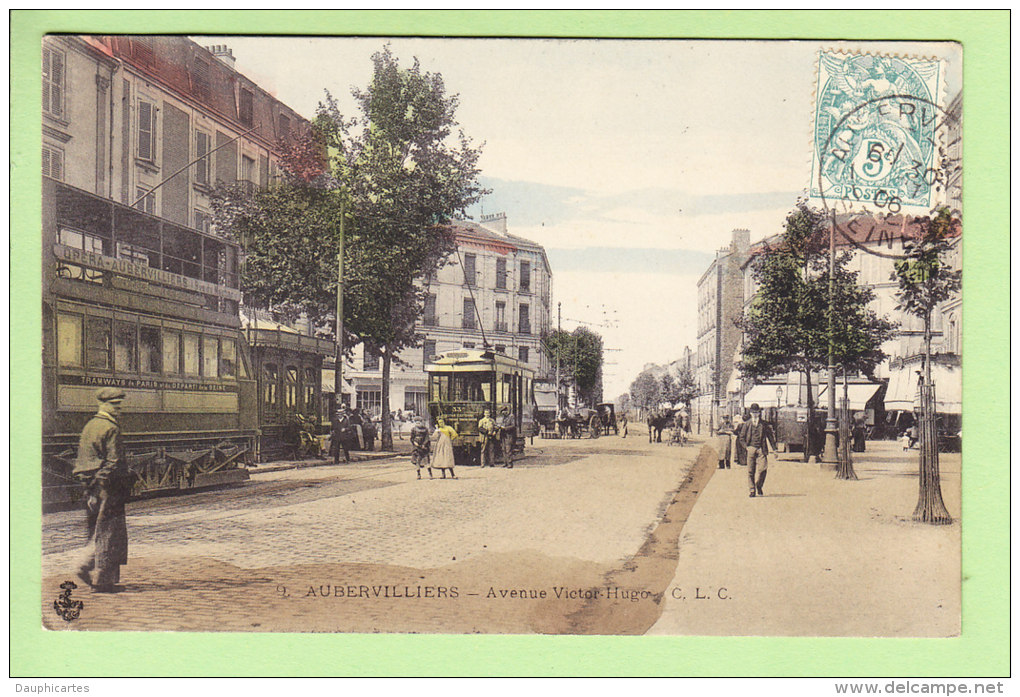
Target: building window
x=203 y=165
x=53 y=82
x=146 y=200
x=525 y=276
x=172 y=352
x=500 y=316
x=501 y=274
x=522 y=354
x=269 y=385
x=291 y=394
x=468 y=318
x=524 y=320
x=427 y=352
x=469 y=269
x=146 y=131
x=468 y=344
x=501 y=349
x=98 y=343
x=150 y=356
x=52 y=163
x=370 y=358
x=429 y=316
x=228 y=359
x=247 y=173
x=245 y=110
x=370 y=402
x=203 y=221
x=190 y=354
x=284 y=126
x=69 y=336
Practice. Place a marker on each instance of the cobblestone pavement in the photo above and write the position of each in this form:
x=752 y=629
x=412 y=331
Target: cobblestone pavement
x=569 y=509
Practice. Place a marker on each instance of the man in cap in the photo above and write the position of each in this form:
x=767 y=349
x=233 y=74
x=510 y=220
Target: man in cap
x=101 y=468
x=506 y=428
x=756 y=435
x=487 y=436
x=421 y=446
x=341 y=423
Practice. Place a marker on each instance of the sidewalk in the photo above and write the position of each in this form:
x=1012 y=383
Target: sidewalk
x=818 y=556
x=401 y=448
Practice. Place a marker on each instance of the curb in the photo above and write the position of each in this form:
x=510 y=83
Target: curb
x=268 y=467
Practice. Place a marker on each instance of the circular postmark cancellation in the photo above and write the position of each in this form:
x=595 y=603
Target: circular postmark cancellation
x=882 y=145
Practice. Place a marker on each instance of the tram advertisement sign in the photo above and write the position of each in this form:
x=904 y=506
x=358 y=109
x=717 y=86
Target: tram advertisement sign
x=147 y=273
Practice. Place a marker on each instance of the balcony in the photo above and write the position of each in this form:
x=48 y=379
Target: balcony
x=430 y=321
x=467 y=322
x=525 y=328
x=500 y=327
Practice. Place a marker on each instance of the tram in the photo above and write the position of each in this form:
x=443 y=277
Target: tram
x=465 y=382
x=135 y=301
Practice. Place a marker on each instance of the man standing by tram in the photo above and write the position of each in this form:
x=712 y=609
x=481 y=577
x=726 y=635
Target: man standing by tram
x=506 y=428
x=102 y=469
x=487 y=437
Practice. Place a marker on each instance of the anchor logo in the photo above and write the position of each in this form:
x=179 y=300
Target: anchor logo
x=68 y=609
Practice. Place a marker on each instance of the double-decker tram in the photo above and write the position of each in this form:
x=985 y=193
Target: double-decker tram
x=465 y=382
x=150 y=306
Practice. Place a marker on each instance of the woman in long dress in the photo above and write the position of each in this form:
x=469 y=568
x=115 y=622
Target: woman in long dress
x=442 y=449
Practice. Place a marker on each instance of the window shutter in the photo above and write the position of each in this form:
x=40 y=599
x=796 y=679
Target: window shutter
x=145 y=131
x=53 y=163
x=53 y=82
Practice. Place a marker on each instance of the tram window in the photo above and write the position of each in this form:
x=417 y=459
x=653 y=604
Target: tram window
x=309 y=390
x=269 y=385
x=292 y=387
x=182 y=251
x=97 y=338
x=150 y=357
x=439 y=388
x=125 y=346
x=210 y=356
x=473 y=387
x=69 y=340
x=172 y=351
x=80 y=240
x=215 y=257
x=228 y=359
x=190 y=354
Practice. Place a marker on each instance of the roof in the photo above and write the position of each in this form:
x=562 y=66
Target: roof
x=501 y=242
x=195 y=74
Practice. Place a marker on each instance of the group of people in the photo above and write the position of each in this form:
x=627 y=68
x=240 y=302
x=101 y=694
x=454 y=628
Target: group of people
x=748 y=444
x=348 y=426
x=435 y=450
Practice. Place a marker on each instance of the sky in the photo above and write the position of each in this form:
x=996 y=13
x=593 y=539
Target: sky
x=631 y=162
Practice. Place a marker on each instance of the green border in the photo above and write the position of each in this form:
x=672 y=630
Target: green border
x=983 y=649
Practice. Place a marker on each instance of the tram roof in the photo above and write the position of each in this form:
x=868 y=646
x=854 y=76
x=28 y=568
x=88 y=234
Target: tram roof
x=472 y=359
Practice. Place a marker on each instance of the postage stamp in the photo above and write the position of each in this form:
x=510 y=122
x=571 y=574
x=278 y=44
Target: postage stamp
x=876 y=127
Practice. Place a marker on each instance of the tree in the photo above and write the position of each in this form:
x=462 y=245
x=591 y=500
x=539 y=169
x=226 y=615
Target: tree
x=387 y=190
x=687 y=388
x=669 y=388
x=790 y=322
x=925 y=281
x=646 y=390
x=580 y=355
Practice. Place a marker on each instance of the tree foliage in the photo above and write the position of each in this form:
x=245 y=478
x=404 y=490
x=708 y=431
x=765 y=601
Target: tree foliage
x=395 y=177
x=581 y=356
x=925 y=279
x=646 y=390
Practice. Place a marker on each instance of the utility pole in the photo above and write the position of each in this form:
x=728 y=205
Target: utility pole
x=829 y=453
x=339 y=368
x=559 y=337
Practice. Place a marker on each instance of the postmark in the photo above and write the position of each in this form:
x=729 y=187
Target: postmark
x=877 y=131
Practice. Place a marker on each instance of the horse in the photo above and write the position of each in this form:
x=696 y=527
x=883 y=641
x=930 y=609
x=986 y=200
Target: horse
x=657 y=421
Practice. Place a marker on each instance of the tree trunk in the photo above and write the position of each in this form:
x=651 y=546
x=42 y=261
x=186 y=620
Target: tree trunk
x=810 y=414
x=930 y=506
x=385 y=422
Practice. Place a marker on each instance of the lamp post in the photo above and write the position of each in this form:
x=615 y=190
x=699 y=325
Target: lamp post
x=829 y=453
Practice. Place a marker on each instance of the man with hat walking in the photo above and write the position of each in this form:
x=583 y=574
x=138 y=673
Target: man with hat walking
x=102 y=469
x=756 y=435
x=340 y=427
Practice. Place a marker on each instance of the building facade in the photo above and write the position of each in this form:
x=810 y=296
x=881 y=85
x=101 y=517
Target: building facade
x=494 y=291
x=720 y=303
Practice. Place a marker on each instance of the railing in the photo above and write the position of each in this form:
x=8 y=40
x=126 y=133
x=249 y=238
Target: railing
x=430 y=321
x=467 y=322
x=525 y=328
x=500 y=326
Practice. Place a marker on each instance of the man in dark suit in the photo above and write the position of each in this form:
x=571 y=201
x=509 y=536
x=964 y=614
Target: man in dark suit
x=756 y=435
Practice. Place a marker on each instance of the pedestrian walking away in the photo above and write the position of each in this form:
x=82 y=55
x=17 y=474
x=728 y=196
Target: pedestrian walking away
x=487 y=436
x=420 y=447
x=622 y=422
x=757 y=435
x=101 y=468
x=724 y=445
x=442 y=448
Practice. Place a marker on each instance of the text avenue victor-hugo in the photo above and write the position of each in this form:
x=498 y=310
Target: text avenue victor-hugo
x=386 y=592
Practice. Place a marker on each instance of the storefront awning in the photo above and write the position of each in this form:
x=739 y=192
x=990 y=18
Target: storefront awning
x=765 y=395
x=329 y=382
x=902 y=394
x=859 y=395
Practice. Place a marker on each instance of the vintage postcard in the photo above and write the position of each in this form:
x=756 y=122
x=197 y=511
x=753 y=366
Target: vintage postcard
x=381 y=334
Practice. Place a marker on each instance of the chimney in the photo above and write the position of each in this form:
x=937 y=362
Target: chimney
x=741 y=242
x=224 y=54
x=495 y=221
